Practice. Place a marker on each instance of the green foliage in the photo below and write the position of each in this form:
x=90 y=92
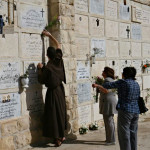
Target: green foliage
x=55 y=21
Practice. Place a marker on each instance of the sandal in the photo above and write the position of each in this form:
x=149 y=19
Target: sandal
x=58 y=142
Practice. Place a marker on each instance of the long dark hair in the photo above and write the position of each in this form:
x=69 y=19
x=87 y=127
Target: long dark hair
x=109 y=72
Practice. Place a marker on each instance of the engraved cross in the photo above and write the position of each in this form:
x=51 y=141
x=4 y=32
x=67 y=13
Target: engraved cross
x=128 y=31
x=42 y=12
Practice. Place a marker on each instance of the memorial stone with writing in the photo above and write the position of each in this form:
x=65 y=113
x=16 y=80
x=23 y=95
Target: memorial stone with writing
x=31 y=67
x=9 y=74
x=146 y=49
x=84 y=114
x=98 y=48
x=136 y=49
x=84 y=92
x=81 y=5
x=10 y=105
x=32 y=17
x=83 y=70
x=136 y=14
x=124 y=12
x=31 y=45
x=125 y=49
x=97 y=7
x=146 y=82
x=145 y=33
x=136 y=31
x=145 y=17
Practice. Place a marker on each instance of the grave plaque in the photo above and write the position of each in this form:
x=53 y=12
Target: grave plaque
x=10 y=105
x=81 y=24
x=84 y=114
x=35 y=101
x=112 y=48
x=139 y=80
x=125 y=49
x=81 y=5
x=97 y=7
x=146 y=17
x=145 y=33
x=114 y=64
x=146 y=49
x=136 y=31
x=83 y=70
x=124 y=30
x=31 y=67
x=31 y=45
x=32 y=17
x=84 y=92
x=98 y=48
x=111 y=9
x=124 y=63
x=97 y=116
x=137 y=64
x=146 y=82
x=9 y=74
x=96 y=26
x=4 y=11
x=136 y=49
x=124 y=12
x=136 y=14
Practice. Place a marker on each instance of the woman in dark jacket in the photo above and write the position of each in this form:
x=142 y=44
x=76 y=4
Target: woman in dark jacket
x=52 y=75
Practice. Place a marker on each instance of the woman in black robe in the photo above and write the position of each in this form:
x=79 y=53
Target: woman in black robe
x=52 y=75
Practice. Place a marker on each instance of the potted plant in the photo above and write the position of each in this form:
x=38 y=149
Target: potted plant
x=25 y=80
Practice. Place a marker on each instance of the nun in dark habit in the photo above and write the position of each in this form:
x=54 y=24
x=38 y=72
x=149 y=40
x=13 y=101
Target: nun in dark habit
x=52 y=75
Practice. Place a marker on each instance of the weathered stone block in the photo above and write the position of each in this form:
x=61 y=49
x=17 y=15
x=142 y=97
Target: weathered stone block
x=72 y=64
x=69 y=102
x=67 y=89
x=69 y=76
x=66 y=10
x=67 y=23
x=23 y=123
x=64 y=36
x=73 y=89
x=66 y=50
x=75 y=126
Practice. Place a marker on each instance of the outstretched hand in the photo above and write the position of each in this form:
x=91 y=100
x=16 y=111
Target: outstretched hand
x=95 y=85
x=40 y=65
x=46 y=33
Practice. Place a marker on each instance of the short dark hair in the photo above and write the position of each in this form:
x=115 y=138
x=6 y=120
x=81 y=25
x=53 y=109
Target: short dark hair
x=129 y=73
x=51 y=53
x=109 y=72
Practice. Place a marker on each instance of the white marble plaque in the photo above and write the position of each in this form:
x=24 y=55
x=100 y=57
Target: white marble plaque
x=136 y=32
x=97 y=68
x=146 y=17
x=84 y=92
x=9 y=74
x=32 y=17
x=125 y=49
x=96 y=26
x=136 y=14
x=84 y=114
x=146 y=49
x=97 y=7
x=111 y=9
x=146 y=82
x=10 y=105
x=98 y=48
x=124 y=33
x=137 y=64
x=136 y=49
x=31 y=67
x=82 y=47
x=83 y=70
x=97 y=115
x=81 y=5
x=112 y=29
x=81 y=24
x=114 y=64
x=124 y=63
x=139 y=80
x=124 y=12
x=35 y=101
x=146 y=33
x=112 y=48
x=31 y=45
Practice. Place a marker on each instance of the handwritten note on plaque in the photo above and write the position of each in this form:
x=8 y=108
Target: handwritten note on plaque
x=9 y=74
x=10 y=105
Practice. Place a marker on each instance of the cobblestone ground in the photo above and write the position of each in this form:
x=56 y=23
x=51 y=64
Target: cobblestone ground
x=94 y=140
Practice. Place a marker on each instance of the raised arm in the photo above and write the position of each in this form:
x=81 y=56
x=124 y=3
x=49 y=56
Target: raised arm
x=46 y=33
x=102 y=89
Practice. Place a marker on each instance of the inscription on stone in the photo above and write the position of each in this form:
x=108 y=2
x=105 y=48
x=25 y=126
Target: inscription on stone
x=84 y=92
x=10 y=105
x=124 y=12
x=136 y=14
x=97 y=7
x=98 y=48
x=35 y=101
x=111 y=9
x=81 y=5
x=136 y=31
x=31 y=67
x=9 y=74
x=146 y=49
x=31 y=45
x=146 y=17
x=83 y=70
x=84 y=114
x=32 y=17
x=137 y=64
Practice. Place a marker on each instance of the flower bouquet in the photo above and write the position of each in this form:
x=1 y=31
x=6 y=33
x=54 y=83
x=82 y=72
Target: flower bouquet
x=83 y=130
x=93 y=126
x=145 y=66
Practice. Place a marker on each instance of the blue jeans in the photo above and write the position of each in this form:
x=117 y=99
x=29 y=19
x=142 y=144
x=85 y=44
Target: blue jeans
x=127 y=130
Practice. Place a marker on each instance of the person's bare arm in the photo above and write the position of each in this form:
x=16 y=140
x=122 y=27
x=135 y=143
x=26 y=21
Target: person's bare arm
x=46 y=33
x=101 y=88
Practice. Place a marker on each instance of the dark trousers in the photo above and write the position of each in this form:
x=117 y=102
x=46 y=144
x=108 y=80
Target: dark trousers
x=109 y=128
x=127 y=130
